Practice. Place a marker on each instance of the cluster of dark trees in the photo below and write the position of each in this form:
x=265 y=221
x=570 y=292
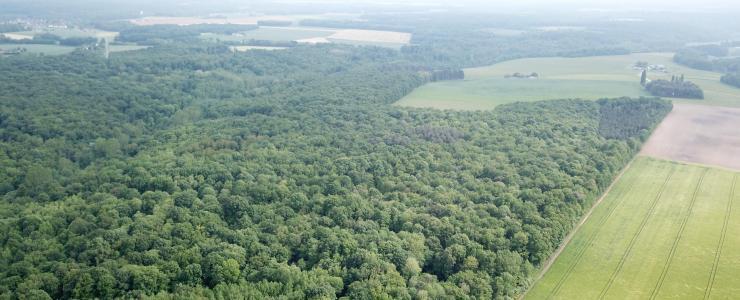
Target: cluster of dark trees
x=731 y=79
x=186 y=171
x=154 y=34
x=52 y=39
x=446 y=74
x=677 y=87
x=629 y=118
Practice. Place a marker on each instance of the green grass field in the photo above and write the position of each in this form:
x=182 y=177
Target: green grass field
x=586 y=78
x=665 y=230
x=39 y=49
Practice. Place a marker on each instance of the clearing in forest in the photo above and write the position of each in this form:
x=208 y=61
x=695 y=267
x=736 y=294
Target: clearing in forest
x=698 y=134
x=666 y=230
x=586 y=78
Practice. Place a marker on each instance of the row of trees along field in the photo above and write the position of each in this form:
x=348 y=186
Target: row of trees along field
x=709 y=58
x=192 y=171
x=51 y=39
x=154 y=34
x=677 y=87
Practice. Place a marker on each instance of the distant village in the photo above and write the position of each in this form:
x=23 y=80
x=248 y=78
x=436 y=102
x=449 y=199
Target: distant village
x=518 y=75
x=645 y=66
x=37 y=23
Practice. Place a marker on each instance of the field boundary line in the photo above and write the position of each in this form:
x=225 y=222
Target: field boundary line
x=679 y=235
x=573 y=232
x=632 y=242
x=720 y=245
x=589 y=242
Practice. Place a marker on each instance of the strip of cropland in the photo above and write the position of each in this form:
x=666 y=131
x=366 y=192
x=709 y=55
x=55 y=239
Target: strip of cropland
x=666 y=230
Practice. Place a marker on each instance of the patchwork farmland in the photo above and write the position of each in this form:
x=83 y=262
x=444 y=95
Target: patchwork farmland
x=665 y=230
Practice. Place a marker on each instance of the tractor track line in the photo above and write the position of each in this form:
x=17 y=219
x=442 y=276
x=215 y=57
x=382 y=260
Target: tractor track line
x=681 y=228
x=720 y=245
x=633 y=241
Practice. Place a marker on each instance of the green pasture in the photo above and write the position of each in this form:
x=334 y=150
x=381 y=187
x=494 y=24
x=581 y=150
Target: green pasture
x=665 y=231
x=586 y=78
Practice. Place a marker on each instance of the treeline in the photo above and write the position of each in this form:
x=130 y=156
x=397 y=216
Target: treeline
x=52 y=39
x=154 y=33
x=732 y=79
x=677 y=87
x=708 y=58
x=191 y=171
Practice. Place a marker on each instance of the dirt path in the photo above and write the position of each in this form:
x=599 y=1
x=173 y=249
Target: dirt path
x=569 y=237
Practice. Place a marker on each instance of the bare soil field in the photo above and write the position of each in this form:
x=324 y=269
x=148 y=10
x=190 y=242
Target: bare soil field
x=705 y=135
x=374 y=36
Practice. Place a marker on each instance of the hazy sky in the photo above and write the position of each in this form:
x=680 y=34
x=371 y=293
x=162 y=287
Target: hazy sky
x=717 y=5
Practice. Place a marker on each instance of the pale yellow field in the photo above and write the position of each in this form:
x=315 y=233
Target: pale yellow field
x=373 y=36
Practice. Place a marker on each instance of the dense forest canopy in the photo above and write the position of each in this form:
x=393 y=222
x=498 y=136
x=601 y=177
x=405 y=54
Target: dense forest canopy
x=188 y=170
x=732 y=79
x=194 y=171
